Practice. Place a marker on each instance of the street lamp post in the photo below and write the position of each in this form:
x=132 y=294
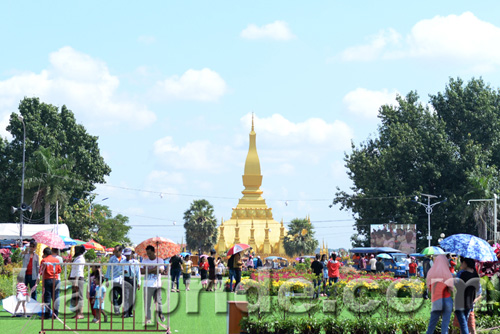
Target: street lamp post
x=23 y=206
x=92 y=205
x=428 y=210
x=494 y=200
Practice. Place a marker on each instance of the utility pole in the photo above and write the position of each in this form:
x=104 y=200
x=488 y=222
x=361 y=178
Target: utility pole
x=428 y=210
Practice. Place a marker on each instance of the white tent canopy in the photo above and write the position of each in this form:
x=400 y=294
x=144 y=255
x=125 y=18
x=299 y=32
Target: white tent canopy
x=11 y=230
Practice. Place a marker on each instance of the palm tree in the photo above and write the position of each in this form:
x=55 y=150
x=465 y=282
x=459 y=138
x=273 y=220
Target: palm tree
x=200 y=225
x=49 y=179
x=482 y=211
x=300 y=238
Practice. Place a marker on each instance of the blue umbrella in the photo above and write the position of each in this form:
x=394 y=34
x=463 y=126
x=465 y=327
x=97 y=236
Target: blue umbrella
x=183 y=254
x=470 y=246
x=68 y=241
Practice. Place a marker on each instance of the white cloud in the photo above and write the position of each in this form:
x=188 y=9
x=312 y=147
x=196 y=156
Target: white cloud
x=281 y=145
x=160 y=177
x=278 y=30
x=454 y=38
x=366 y=103
x=196 y=155
x=374 y=48
x=82 y=83
x=202 y=85
x=279 y=131
x=144 y=39
x=4 y=122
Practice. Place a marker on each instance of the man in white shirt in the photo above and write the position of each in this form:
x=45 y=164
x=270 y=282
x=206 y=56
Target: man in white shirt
x=152 y=284
x=77 y=281
x=373 y=264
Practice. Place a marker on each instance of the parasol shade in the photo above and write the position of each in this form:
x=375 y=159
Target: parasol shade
x=470 y=246
x=50 y=239
x=237 y=248
x=384 y=256
x=68 y=241
x=164 y=248
x=433 y=250
x=92 y=244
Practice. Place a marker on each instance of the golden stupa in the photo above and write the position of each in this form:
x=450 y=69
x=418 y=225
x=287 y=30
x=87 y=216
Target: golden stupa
x=252 y=221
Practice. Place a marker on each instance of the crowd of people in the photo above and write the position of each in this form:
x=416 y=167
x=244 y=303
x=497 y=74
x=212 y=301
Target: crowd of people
x=326 y=272
x=123 y=278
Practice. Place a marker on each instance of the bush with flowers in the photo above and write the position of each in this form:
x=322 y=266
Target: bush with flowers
x=358 y=293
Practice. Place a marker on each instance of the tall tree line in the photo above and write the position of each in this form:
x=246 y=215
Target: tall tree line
x=449 y=147
x=63 y=163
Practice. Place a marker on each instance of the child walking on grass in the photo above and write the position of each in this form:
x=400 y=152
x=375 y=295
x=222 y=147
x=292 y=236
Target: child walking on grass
x=100 y=294
x=21 y=295
x=219 y=271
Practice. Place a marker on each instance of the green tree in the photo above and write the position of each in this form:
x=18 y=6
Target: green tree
x=300 y=238
x=58 y=131
x=110 y=230
x=201 y=226
x=416 y=152
x=49 y=178
x=86 y=221
x=79 y=219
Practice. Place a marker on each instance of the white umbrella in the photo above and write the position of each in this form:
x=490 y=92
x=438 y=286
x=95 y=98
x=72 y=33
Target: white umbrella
x=32 y=307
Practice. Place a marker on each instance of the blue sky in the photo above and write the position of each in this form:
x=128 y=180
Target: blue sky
x=169 y=88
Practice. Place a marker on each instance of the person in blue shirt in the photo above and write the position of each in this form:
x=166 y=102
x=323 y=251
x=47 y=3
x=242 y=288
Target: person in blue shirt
x=100 y=294
x=132 y=278
x=115 y=275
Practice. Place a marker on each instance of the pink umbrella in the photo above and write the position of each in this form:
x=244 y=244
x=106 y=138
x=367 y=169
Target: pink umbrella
x=50 y=239
x=237 y=248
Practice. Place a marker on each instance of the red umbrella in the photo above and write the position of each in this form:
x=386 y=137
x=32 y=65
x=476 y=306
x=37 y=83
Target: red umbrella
x=164 y=248
x=110 y=249
x=237 y=248
x=94 y=245
x=50 y=239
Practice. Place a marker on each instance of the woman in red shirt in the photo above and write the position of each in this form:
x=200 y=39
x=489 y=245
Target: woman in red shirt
x=31 y=263
x=204 y=272
x=333 y=269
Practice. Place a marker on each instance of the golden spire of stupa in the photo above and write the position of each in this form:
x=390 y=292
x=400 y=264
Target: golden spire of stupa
x=252 y=178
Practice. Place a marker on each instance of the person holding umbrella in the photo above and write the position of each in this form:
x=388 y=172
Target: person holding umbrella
x=31 y=268
x=467 y=285
x=237 y=264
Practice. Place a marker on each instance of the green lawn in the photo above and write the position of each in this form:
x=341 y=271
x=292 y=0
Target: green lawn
x=192 y=311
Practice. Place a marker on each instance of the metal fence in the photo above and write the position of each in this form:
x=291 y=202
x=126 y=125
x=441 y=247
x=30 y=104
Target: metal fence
x=61 y=301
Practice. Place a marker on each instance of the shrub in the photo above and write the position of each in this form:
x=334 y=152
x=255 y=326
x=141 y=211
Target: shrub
x=16 y=256
x=334 y=326
x=90 y=255
x=308 y=325
x=412 y=325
